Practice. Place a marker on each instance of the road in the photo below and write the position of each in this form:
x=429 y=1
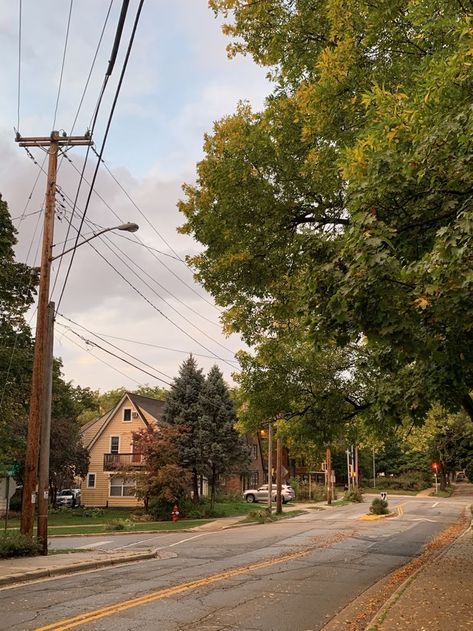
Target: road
x=289 y=575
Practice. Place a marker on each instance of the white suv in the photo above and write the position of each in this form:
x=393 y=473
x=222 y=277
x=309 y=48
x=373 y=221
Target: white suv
x=261 y=494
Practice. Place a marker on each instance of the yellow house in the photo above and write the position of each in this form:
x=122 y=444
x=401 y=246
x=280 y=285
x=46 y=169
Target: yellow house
x=109 y=440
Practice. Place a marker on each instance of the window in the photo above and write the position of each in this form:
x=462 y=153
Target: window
x=91 y=480
x=254 y=451
x=114 y=444
x=254 y=479
x=127 y=414
x=122 y=487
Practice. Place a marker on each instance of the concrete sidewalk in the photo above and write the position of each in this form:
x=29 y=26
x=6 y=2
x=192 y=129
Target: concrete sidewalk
x=437 y=598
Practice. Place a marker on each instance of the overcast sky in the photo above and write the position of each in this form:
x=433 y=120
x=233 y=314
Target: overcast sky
x=179 y=80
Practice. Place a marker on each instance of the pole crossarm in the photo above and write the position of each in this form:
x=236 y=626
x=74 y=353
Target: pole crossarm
x=56 y=137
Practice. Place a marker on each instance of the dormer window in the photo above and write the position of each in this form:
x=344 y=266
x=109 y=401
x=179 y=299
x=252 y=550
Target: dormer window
x=127 y=415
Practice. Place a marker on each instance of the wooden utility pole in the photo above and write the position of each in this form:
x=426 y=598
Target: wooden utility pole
x=270 y=467
x=45 y=438
x=52 y=142
x=278 y=475
x=329 y=475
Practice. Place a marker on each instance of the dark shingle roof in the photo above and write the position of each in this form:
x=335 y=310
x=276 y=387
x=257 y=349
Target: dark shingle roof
x=152 y=406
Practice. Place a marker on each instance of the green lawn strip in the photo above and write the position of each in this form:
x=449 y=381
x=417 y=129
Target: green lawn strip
x=154 y=526
x=251 y=519
x=447 y=493
x=233 y=509
x=388 y=491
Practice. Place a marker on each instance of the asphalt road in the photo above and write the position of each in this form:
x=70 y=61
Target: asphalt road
x=292 y=575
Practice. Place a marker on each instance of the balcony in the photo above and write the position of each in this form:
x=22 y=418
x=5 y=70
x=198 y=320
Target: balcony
x=119 y=462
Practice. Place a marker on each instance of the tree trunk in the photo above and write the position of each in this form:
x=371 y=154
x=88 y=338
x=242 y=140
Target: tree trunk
x=443 y=479
x=195 y=486
x=213 y=483
x=467 y=403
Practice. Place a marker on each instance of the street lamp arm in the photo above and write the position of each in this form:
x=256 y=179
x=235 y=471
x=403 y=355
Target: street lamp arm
x=127 y=227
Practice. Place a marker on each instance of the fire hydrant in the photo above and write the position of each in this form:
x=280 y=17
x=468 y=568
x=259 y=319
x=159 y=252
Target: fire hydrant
x=175 y=513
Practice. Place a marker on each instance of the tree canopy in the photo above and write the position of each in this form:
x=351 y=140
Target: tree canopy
x=344 y=210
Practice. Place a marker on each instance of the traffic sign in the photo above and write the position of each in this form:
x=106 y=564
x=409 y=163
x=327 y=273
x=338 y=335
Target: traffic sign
x=384 y=496
x=7 y=487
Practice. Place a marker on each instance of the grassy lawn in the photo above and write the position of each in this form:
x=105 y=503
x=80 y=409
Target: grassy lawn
x=234 y=508
x=389 y=492
x=148 y=526
x=260 y=516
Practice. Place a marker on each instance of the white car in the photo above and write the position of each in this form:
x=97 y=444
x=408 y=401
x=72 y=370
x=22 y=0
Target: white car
x=261 y=494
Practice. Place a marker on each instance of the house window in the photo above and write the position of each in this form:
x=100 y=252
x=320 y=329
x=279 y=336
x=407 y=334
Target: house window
x=254 y=479
x=254 y=451
x=114 y=444
x=91 y=480
x=122 y=487
x=127 y=414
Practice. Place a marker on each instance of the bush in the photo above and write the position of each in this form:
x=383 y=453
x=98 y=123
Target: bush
x=469 y=471
x=15 y=504
x=261 y=515
x=379 y=507
x=17 y=545
x=353 y=495
x=409 y=481
x=121 y=524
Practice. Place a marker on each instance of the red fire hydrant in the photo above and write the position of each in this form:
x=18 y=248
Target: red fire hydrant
x=175 y=513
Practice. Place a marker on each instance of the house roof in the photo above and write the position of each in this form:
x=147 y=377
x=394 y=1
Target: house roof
x=92 y=430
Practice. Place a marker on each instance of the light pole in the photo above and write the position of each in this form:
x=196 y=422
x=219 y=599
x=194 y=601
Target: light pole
x=37 y=446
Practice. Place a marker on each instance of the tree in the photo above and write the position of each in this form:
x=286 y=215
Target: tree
x=223 y=449
x=165 y=481
x=345 y=207
x=183 y=411
x=17 y=288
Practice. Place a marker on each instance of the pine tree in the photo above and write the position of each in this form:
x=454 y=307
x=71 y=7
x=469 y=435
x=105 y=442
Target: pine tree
x=222 y=447
x=183 y=410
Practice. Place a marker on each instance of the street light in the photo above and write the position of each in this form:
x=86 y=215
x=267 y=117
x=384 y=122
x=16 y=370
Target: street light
x=127 y=227
x=39 y=423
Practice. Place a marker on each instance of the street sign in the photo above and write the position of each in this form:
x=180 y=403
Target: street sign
x=384 y=496
x=7 y=487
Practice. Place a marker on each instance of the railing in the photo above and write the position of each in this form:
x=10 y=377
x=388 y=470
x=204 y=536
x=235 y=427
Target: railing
x=116 y=462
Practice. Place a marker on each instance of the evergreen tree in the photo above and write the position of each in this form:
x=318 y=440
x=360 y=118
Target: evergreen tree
x=222 y=447
x=183 y=410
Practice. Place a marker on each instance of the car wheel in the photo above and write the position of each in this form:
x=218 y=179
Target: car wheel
x=250 y=498
x=284 y=500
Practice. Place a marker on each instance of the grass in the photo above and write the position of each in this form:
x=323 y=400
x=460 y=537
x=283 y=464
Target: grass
x=388 y=491
x=261 y=516
x=447 y=493
x=234 y=508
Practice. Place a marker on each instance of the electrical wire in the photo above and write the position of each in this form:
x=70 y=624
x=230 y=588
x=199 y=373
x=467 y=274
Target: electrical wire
x=107 y=129
x=87 y=350
x=159 y=235
x=63 y=63
x=125 y=339
x=92 y=343
x=119 y=349
x=20 y=16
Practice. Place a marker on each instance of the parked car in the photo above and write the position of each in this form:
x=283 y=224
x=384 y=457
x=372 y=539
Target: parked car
x=461 y=477
x=68 y=497
x=261 y=494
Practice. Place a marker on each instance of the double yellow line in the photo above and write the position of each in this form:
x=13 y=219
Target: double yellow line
x=76 y=621
x=400 y=510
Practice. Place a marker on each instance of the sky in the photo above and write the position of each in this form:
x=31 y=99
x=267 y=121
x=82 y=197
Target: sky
x=138 y=296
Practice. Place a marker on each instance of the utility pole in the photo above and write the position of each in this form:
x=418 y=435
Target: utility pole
x=348 y=469
x=52 y=142
x=355 y=468
x=45 y=438
x=270 y=466
x=329 y=475
x=278 y=475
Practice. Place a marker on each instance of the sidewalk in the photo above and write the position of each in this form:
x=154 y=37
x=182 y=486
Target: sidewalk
x=14 y=571
x=438 y=598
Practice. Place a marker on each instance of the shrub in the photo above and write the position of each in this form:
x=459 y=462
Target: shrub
x=261 y=515
x=409 y=481
x=469 y=470
x=121 y=524
x=15 y=544
x=379 y=507
x=353 y=495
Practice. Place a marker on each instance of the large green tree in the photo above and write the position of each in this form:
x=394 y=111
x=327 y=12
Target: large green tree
x=17 y=288
x=183 y=411
x=345 y=207
x=223 y=449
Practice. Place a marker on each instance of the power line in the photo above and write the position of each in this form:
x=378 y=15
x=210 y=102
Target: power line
x=140 y=343
x=20 y=11
x=100 y=359
x=107 y=129
x=117 y=347
x=92 y=126
x=63 y=62
x=138 y=240
x=92 y=343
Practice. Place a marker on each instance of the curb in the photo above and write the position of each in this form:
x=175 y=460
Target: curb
x=32 y=575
